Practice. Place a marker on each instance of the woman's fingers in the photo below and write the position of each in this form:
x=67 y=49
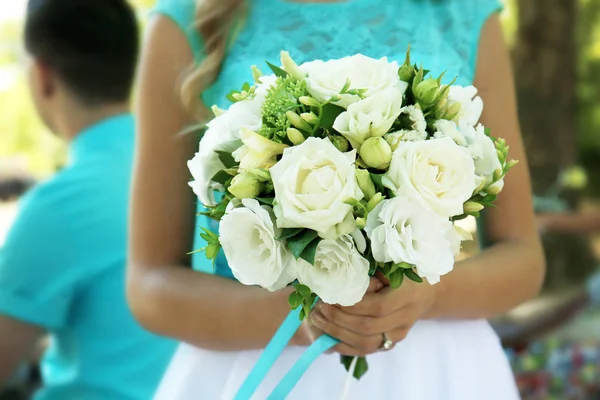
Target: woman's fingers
x=365 y=343
x=375 y=285
x=365 y=325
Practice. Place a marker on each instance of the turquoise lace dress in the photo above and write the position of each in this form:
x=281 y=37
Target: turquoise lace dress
x=439 y=360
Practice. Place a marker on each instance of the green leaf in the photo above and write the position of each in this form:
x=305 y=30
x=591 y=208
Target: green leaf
x=377 y=180
x=361 y=365
x=328 y=115
x=295 y=300
x=361 y=368
x=487 y=131
x=265 y=200
x=289 y=232
x=212 y=251
x=309 y=252
x=227 y=159
x=396 y=279
x=303 y=290
x=221 y=177
x=410 y=274
x=302 y=315
x=277 y=71
x=213 y=236
x=298 y=243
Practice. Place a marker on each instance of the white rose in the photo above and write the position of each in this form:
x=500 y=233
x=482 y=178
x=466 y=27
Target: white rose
x=255 y=257
x=482 y=149
x=223 y=134
x=257 y=151
x=471 y=107
x=437 y=173
x=340 y=274
x=311 y=182
x=371 y=117
x=327 y=78
x=402 y=230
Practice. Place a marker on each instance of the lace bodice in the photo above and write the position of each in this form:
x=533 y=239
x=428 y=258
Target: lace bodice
x=443 y=35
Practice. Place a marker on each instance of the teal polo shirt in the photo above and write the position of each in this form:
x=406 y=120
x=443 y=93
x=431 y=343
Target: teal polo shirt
x=62 y=268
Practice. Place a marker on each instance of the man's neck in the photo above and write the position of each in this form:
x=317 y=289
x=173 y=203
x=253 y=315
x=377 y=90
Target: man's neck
x=77 y=121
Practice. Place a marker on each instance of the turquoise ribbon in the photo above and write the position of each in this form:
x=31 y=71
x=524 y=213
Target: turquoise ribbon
x=273 y=351
x=320 y=346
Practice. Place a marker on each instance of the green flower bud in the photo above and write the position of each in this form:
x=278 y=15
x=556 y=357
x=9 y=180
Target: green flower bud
x=295 y=136
x=495 y=188
x=298 y=122
x=310 y=117
x=472 y=207
x=452 y=111
x=250 y=183
x=361 y=223
x=290 y=66
x=378 y=198
x=365 y=183
x=511 y=164
x=440 y=108
x=418 y=78
x=426 y=92
x=340 y=142
x=376 y=153
x=217 y=111
x=309 y=101
x=256 y=73
x=406 y=72
x=245 y=186
x=497 y=174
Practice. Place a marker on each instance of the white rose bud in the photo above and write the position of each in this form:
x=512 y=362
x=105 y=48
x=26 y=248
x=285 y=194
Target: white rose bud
x=309 y=101
x=248 y=184
x=290 y=66
x=295 y=136
x=297 y=121
x=256 y=73
x=365 y=183
x=472 y=207
x=376 y=153
x=310 y=117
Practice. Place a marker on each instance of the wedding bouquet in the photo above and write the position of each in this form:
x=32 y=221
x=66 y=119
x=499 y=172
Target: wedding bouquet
x=333 y=170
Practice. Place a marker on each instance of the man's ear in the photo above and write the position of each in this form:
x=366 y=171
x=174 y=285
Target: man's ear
x=44 y=79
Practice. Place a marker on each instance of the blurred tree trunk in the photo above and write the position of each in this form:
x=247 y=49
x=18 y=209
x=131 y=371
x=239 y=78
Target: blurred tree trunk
x=545 y=64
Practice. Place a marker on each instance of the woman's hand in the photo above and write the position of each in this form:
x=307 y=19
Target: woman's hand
x=388 y=311
x=309 y=332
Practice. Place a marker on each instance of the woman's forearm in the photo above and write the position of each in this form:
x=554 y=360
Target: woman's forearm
x=205 y=310
x=493 y=282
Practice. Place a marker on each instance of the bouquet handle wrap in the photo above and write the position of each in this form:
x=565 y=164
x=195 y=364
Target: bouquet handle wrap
x=272 y=352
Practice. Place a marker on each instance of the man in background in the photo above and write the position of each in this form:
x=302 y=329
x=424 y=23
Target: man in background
x=62 y=267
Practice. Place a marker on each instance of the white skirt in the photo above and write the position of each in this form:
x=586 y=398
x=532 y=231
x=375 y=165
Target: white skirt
x=438 y=360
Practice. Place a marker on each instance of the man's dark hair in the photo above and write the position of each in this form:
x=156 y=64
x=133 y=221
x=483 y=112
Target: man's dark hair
x=92 y=45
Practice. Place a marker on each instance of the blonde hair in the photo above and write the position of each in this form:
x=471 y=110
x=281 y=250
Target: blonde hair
x=214 y=22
